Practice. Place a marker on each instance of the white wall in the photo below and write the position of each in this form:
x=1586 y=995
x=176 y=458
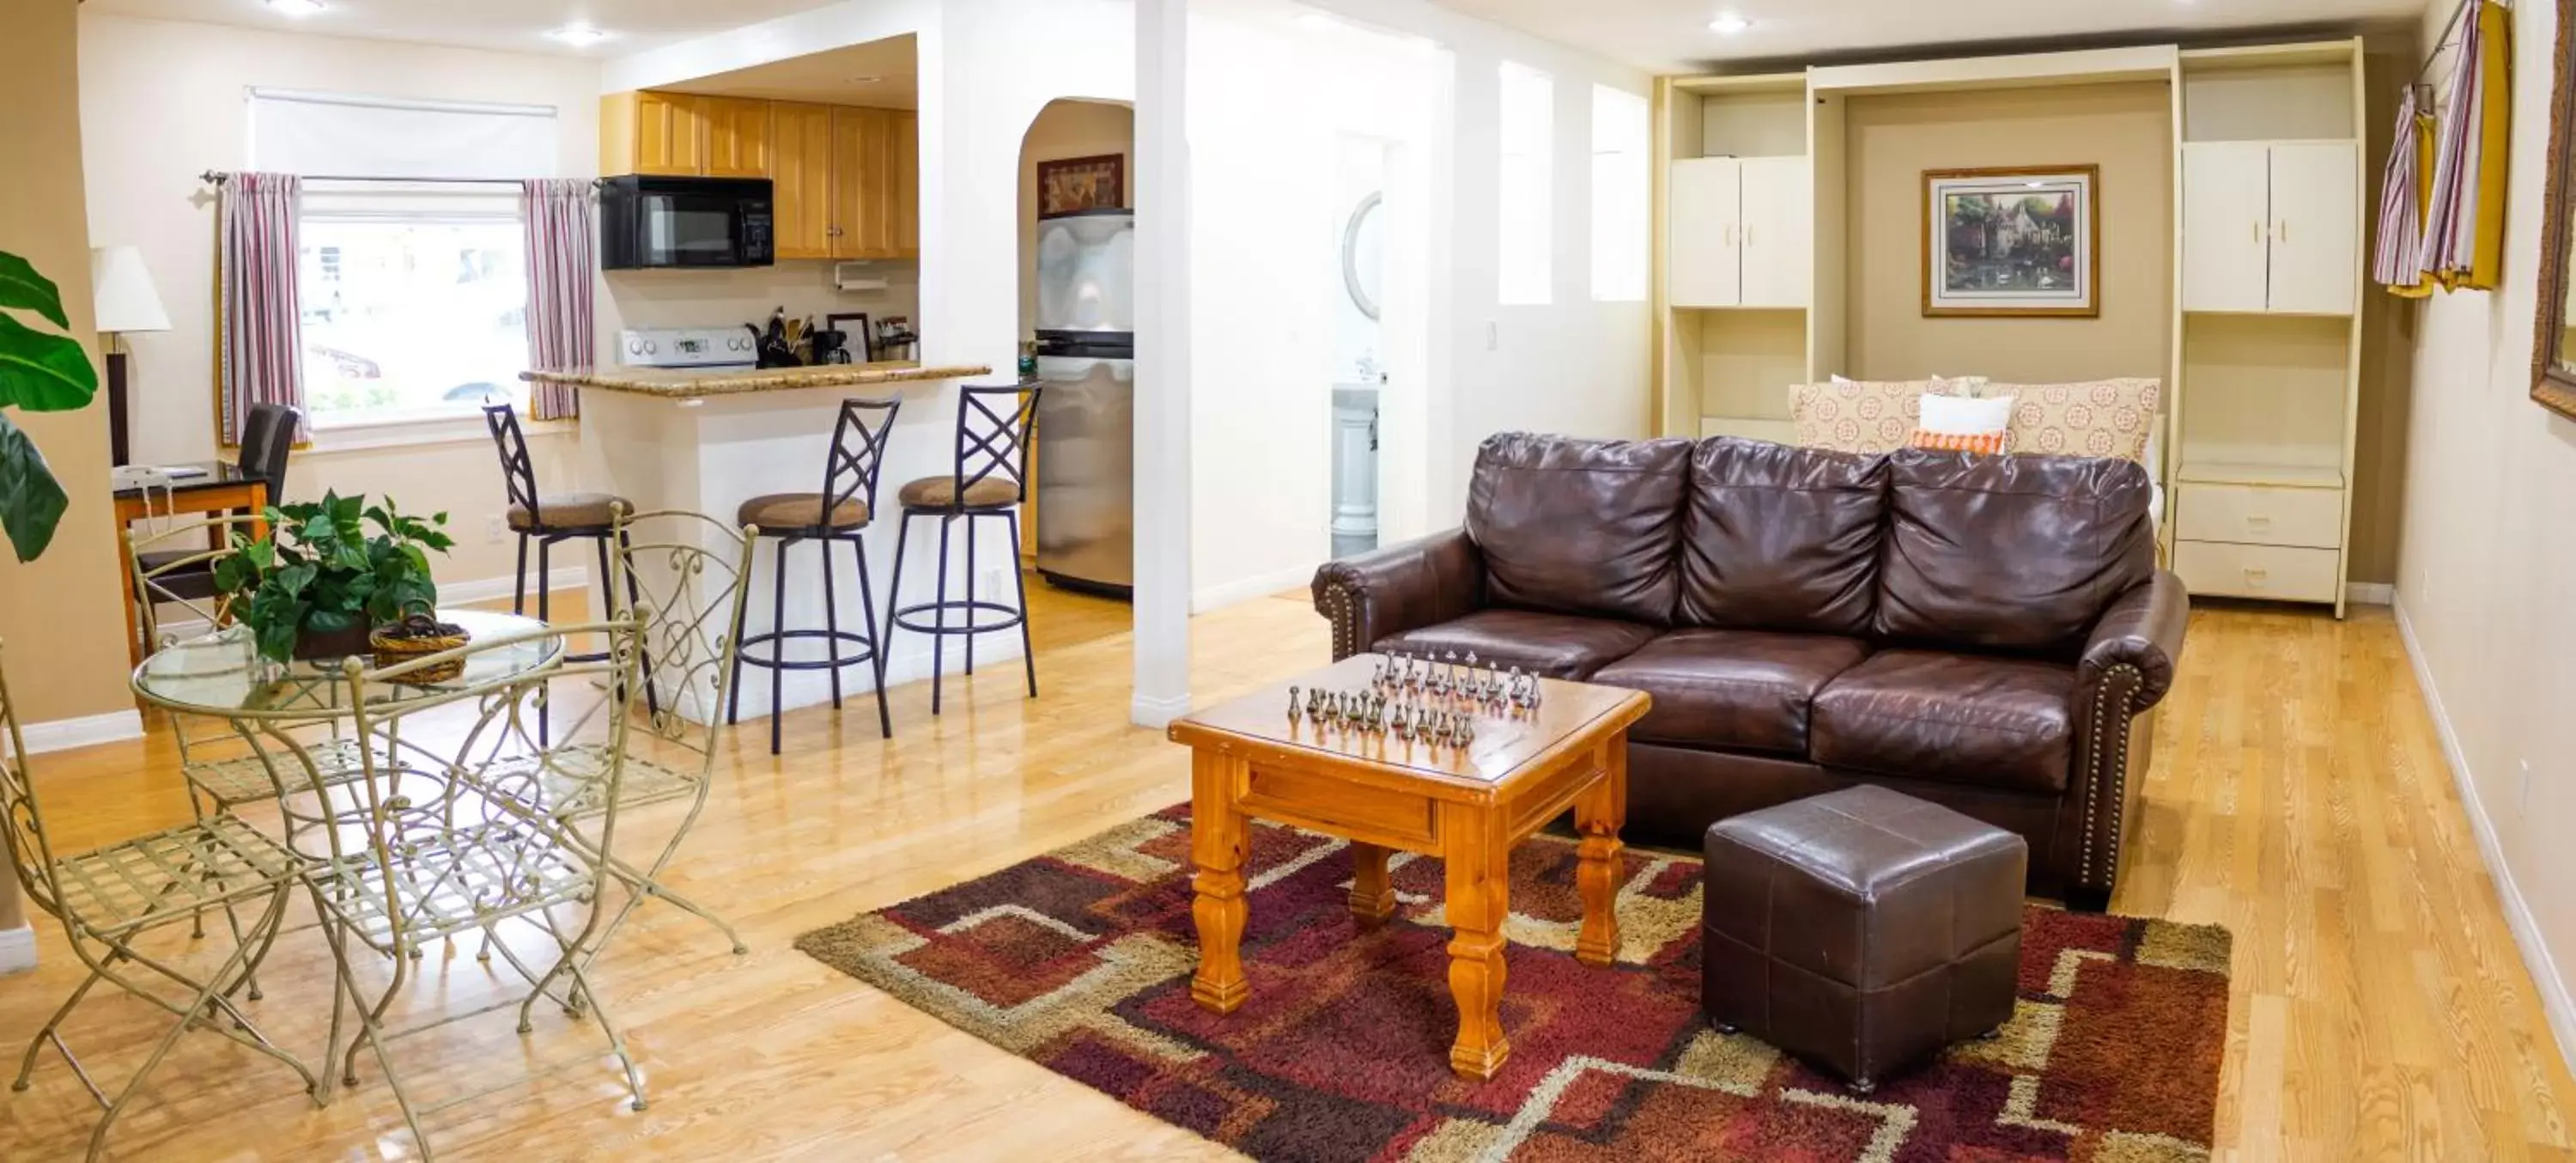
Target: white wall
x=2486 y=550
x=1574 y=366
x=163 y=101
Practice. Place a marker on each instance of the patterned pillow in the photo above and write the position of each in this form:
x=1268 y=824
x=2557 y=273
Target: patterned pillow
x=1864 y=416
x=2110 y=418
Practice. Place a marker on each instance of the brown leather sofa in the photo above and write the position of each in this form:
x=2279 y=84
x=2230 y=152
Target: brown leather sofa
x=1984 y=632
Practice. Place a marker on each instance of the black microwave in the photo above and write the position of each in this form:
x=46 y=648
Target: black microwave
x=653 y=223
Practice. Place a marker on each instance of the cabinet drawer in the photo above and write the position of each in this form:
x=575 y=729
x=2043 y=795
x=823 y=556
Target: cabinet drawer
x=2255 y=515
x=2257 y=571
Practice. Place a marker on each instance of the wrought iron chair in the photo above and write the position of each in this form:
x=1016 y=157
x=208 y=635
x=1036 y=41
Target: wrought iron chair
x=840 y=514
x=427 y=854
x=990 y=481
x=692 y=570
x=108 y=897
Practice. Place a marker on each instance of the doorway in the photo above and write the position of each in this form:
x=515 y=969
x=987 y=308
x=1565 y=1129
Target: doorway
x=1360 y=377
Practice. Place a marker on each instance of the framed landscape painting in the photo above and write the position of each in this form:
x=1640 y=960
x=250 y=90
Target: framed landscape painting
x=2017 y=241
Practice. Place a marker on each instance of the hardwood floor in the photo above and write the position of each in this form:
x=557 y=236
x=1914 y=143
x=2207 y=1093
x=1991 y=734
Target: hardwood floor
x=2298 y=795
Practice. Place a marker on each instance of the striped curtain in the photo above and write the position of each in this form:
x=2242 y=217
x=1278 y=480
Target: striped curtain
x=259 y=339
x=2464 y=219
x=2404 y=188
x=563 y=258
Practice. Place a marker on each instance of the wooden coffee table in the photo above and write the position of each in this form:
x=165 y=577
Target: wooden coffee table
x=1468 y=806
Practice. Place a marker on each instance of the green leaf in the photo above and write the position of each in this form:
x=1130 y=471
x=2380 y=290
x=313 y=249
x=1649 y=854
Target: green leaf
x=331 y=621
x=294 y=578
x=43 y=373
x=31 y=500
x=21 y=286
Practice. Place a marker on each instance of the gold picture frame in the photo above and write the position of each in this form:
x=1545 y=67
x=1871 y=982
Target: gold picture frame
x=2017 y=242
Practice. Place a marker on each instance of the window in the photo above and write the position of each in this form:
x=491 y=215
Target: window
x=1620 y=196
x=1526 y=250
x=410 y=313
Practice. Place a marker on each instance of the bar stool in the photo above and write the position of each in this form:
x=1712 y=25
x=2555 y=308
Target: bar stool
x=837 y=515
x=990 y=480
x=549 y=521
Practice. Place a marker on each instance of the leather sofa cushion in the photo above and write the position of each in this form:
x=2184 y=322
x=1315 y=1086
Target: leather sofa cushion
x=1782 y=538
x=2009 y=552
x=1741 y=690
x=1581 y=526
x=2004 y=723
x=1555 y=645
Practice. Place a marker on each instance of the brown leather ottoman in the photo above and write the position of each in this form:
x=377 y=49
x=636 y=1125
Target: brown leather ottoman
x=1862 y=930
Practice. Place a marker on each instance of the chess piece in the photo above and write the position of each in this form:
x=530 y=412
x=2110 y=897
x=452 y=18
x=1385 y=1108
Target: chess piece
x=1292 y=704
x=1464 y=732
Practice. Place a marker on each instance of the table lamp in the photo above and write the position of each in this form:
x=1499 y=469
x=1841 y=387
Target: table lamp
x=127 y=303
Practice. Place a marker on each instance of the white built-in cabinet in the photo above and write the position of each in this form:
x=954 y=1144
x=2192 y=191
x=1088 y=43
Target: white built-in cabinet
x=1753 y=228
x=1742 y=233
x=2271 y=226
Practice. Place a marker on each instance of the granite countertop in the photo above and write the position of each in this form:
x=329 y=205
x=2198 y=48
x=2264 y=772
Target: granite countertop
x=684 y=384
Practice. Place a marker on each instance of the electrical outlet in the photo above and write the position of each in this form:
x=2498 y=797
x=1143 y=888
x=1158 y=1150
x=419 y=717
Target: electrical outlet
x=2522 y=795
x=494 y=529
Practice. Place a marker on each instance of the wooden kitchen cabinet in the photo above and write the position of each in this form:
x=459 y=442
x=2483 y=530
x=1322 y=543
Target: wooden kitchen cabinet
x=738 y=137
x=801 y=174
x=663 y=134
x=875 y=179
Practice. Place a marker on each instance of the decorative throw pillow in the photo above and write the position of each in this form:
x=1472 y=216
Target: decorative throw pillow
x=1952 y=424
x=1865 y=416
x=2111 y=418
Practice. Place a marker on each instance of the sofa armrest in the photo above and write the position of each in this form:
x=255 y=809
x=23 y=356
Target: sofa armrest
x=1399 y=588
x=2143 y=631
x=2126 y=669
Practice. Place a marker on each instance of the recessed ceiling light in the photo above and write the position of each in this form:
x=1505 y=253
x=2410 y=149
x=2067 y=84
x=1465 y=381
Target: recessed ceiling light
x=579 y=35
x=1729 y=24
x=295 y=7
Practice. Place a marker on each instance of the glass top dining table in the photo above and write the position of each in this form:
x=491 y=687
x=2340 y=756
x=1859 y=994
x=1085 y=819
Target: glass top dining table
x=219 y=674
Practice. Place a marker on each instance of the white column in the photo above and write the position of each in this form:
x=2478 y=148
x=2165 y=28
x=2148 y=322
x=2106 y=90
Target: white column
x=1162 y=363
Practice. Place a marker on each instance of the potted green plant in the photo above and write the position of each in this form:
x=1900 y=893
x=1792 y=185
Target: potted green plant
x=320 y=582
x=39 y=372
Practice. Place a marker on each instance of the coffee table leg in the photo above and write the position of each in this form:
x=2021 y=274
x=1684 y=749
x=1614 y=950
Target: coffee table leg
x=1598 y=814
x=1217 y=843
x=1372 y=892
x=1478 y=861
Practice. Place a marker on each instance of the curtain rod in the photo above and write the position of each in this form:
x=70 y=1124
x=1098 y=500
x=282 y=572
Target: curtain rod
x=219 y=177
x=2444 y=41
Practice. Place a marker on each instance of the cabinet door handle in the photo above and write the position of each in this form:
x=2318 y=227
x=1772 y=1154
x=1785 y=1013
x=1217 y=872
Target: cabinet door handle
x=2258 y=578
x=2284 y=228
x=1730 y=234
x=2258 y=524
x=2259 y=233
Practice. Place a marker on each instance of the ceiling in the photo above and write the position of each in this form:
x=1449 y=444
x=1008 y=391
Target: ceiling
x=882 y=73
x=1667 y=36
x=510 y=25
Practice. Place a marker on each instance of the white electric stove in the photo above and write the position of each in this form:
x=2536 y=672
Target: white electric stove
x=688 y=347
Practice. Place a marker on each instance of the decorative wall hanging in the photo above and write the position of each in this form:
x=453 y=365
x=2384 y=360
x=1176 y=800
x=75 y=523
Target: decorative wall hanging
x=1082 y=183
x=2015 y=241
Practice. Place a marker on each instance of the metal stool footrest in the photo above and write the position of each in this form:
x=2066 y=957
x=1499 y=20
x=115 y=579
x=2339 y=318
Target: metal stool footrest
x=777 y=639
x=906 y=617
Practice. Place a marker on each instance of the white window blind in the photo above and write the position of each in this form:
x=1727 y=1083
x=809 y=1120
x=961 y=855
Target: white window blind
x=351 y=135
x=1621 y=196
x=1526 y=250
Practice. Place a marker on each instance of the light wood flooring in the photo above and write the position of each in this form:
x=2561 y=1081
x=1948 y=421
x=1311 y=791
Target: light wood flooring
x=2298 y=796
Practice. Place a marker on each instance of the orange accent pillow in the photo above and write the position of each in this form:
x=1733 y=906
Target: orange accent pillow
x=1982 y=443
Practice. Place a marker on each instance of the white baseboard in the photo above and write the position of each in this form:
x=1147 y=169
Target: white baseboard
x=1218 y=597
x=2555 y=1001
x=17 y=949
x=2370 y=593
x=1157 y=713
x=65 y=734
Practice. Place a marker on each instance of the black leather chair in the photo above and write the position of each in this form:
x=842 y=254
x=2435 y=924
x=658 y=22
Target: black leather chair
x=268 y=436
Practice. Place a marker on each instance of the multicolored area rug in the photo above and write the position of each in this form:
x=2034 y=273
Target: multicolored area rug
x=1080 y=960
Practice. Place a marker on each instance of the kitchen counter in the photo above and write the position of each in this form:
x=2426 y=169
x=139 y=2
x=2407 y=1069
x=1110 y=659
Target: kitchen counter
x=685 y=384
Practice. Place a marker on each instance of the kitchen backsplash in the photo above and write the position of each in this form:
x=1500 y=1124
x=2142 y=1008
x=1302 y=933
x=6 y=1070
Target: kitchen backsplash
x=716 y=298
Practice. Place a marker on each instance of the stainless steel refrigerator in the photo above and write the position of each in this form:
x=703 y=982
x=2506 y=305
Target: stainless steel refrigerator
x=1086 y=430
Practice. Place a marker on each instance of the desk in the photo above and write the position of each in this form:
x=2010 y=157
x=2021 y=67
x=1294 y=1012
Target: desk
x=223 y=488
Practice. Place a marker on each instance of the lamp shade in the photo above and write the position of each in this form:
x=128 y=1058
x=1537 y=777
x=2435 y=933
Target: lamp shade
x=126 y=298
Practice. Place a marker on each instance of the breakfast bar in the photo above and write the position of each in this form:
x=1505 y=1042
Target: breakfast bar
x=708 y=440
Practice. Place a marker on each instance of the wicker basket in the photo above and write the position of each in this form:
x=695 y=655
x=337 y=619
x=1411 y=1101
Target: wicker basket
x=394 y=651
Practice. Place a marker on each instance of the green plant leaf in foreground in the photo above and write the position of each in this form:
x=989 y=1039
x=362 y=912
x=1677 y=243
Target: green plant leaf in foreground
x=31 y=500
x=22 y=287
x=43 y=373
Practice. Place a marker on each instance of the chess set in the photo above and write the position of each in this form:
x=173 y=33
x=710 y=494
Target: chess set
x=1434 y=701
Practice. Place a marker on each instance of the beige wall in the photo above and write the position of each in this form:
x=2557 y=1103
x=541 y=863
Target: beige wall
x=2387 y=343
x=2126 y=129
x=2488 y=550
x=1065 y=129
x=61 y=616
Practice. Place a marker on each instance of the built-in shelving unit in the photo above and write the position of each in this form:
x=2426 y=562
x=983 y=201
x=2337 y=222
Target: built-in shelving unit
x=1750 y=234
